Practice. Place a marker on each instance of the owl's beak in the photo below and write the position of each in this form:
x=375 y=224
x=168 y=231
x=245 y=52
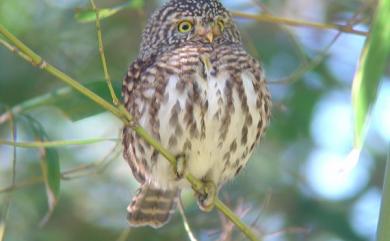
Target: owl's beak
x=210 y=36
x=206 y=32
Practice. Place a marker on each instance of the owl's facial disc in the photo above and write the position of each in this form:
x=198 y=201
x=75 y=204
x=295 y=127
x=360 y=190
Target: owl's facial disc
x=209 y=31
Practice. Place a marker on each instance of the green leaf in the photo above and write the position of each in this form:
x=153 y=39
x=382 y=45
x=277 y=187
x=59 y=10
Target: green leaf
x=371 y=68
x=50 y=167
x=89 y=15
x=50 y=164
x=73 y=104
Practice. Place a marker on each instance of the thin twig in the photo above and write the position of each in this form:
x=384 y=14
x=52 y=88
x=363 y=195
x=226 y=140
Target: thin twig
x=298 y=23
x=48 y=144
x=37 y=60
x=14 y=137
x=124 y=235
x=264 y=205
x=3 y=223
x=97 y=167
x=299 y=48
x=187 y=226
x=16 y=51
x=324 y=53
x=103 y=56
x=289 y=230
x=311 y=65
x=227 y=226
x=22 y=184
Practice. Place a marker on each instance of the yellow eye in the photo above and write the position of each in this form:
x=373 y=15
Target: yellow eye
x=221 y=25
x=185 y=26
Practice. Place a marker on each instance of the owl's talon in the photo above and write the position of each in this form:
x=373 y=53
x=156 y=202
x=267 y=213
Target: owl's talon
x=180 y=168
x=206 y=198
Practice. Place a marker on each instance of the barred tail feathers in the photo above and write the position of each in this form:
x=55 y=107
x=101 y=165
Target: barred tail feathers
x=152 y=206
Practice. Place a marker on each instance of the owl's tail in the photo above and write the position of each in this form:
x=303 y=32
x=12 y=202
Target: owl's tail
x=152 y=206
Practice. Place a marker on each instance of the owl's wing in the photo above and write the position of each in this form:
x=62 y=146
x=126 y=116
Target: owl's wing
x=131 y=84
x=132 y=78
x=264 y=98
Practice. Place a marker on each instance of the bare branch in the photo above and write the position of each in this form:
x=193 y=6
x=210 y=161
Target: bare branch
x=299 y=23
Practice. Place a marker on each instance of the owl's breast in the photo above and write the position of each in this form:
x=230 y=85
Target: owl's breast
x=205 y=106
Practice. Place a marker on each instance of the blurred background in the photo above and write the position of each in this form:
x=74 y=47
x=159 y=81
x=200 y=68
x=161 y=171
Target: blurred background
x=298 y=184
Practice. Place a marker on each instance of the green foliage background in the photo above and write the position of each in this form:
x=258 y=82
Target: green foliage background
x=273 y=188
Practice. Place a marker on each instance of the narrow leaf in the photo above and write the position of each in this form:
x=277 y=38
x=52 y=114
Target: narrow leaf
x=371 y=68
x=50 y=167
x=89 y=15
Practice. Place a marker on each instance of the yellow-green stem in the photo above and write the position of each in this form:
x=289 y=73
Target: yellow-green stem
x=41 y=63
x=103 y=56
x=298 y=23
x=49 y=144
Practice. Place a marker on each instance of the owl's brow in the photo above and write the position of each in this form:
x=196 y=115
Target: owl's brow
x=181 y=17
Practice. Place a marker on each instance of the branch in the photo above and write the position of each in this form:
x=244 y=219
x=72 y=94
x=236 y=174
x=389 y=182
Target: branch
x=3 y=224
x=294 y=39
x=93 y=168
x=37 y=60
x=103 y=56
x=299 y=23
x=187 y=226
x=48 y=144
x=22 y=184
x=127 y=119
x=324 y=53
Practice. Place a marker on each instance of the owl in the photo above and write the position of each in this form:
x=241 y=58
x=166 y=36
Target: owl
x=196 y=90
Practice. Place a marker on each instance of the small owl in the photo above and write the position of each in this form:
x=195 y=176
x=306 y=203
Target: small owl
x=196 y=90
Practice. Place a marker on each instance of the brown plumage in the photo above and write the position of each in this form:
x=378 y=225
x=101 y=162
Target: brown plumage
x=198 y=92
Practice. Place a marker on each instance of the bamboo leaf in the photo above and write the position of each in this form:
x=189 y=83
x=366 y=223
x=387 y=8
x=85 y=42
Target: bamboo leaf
x=50 y=167
x=371 y=67
x=89 y=15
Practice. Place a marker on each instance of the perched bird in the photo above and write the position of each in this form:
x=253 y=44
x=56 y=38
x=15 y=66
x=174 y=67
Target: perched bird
x=196 y=90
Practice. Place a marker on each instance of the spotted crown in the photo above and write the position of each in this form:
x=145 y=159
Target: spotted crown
x=161 y=35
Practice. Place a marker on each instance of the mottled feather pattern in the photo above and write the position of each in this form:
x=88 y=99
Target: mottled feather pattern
x=177 y=120
x=205 y=101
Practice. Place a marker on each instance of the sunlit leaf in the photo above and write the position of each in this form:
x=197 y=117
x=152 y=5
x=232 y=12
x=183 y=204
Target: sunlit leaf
x=371 y=68
x=73 y=104
x=89 y=15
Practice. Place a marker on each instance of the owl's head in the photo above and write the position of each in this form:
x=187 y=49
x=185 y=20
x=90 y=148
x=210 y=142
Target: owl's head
x=182 y=21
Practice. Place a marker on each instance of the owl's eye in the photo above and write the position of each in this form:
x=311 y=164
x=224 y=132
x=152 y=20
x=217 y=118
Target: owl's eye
x=185 y=26
x=221 y=25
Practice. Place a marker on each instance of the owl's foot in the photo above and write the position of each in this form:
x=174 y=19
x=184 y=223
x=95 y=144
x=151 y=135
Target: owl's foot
x=207 y=197
x=179 y=169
